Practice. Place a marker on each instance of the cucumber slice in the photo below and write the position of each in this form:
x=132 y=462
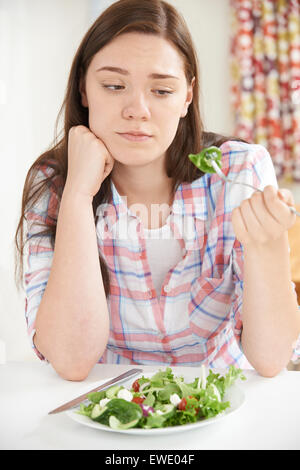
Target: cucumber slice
x=112 y=391
x=97 y=412
x=166 y=410
x=114 y=423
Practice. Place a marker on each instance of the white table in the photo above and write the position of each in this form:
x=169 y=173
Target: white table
x=269 y=418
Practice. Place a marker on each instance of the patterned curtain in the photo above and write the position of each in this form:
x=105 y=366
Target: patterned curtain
x=265 y=74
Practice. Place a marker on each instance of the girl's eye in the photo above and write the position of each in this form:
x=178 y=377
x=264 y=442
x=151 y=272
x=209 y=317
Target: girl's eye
x=118 y=87
x=164 y=92
x=110 y=86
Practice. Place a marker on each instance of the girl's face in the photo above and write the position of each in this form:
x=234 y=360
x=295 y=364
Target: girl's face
x=136 y=96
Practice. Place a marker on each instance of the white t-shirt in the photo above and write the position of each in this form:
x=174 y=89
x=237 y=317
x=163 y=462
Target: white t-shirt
x=163 y=253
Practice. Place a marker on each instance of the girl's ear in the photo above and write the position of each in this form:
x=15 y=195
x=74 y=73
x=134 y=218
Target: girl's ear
x=189 y=98
x=82 y=92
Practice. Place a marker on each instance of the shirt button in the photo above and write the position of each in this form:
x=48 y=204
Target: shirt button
x=167 y=288
x=161 y=335
x=150 y=295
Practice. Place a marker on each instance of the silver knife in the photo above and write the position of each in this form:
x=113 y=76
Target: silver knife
x=75 y=401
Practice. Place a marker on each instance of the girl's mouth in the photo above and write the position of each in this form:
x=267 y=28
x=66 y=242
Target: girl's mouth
x=136 y=138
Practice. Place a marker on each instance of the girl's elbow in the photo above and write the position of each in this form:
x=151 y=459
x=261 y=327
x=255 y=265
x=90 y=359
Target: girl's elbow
x=73 y=374
x=77 y=370
x=268 y=372
x=268 y=369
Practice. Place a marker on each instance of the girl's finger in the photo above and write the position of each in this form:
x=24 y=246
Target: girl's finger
x=269 y=224
x=274 y=201
x=286 y=196
x=254 y=227
x=239 y=227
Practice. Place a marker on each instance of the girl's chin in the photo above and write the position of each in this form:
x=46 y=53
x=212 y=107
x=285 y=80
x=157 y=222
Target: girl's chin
x=133 y=159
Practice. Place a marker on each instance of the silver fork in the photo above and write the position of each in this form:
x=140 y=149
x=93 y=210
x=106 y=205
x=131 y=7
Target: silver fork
x=228 y=180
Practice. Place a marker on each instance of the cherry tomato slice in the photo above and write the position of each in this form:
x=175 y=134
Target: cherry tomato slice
x=138 y=400
x=182 y=404
x=136 y=385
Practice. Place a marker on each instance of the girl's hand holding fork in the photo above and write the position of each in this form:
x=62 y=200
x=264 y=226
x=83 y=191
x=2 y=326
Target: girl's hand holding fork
x=264 y=217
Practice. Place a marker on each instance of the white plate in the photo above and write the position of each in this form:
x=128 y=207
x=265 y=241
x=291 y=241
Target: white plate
x=234 y=395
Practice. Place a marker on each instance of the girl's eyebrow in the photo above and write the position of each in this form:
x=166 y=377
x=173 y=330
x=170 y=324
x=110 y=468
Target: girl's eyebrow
x=125 y=72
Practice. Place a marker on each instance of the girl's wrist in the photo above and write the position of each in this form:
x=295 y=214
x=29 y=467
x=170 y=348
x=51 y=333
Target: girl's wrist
x=70 y=192
x=272 y=247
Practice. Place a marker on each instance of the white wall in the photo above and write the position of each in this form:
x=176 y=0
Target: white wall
x=209 y=24
x=38 y=39
x=37 y=42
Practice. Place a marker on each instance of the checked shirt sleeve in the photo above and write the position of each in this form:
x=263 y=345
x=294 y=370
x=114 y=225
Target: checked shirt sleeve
x=39 y=251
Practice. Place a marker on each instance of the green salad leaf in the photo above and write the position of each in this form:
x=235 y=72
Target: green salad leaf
x=95 y=397
x=169 y=389
x=162 y=400
x=202 y=160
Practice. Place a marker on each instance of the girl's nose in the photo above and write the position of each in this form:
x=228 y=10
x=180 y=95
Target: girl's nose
x=136 y=107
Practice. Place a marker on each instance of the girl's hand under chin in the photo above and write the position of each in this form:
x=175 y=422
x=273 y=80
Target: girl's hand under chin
x=89 y=161
x=264 y=217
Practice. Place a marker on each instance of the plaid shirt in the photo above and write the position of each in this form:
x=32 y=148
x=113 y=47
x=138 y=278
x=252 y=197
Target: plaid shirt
x=197 y=318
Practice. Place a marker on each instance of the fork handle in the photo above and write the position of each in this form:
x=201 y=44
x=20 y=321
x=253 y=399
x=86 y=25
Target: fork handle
x=243 y=184
x=292 y=208
x=226 y=179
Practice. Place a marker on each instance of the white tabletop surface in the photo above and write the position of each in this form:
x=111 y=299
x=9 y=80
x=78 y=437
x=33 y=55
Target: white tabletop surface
x=269 y=418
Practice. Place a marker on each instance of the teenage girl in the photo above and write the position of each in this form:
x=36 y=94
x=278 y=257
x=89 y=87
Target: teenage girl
x=134 y=255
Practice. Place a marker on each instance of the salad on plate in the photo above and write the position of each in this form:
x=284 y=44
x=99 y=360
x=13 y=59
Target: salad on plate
x=161 y=400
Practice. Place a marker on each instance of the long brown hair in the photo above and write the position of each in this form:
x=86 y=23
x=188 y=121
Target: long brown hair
x=149 y=17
